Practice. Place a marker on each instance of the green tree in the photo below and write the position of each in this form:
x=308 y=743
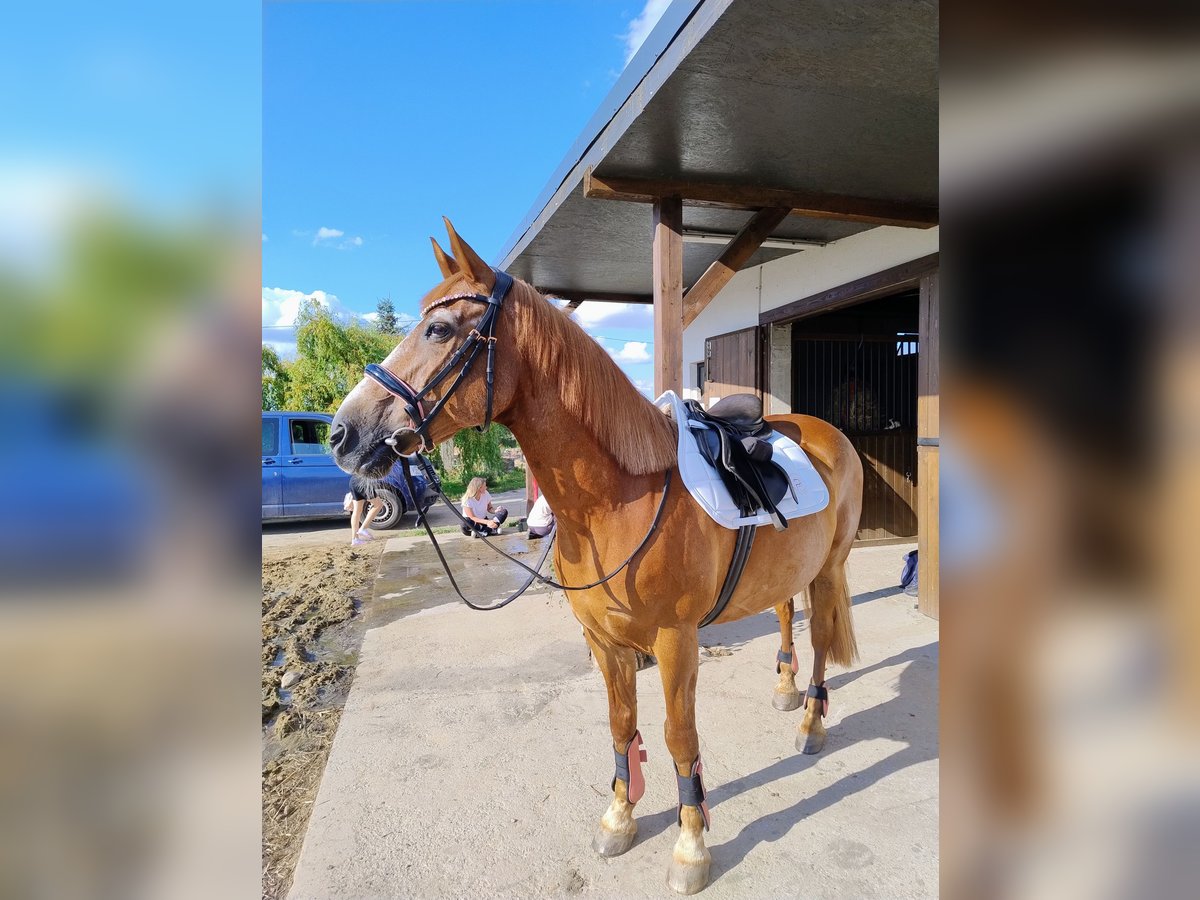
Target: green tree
x=480 y=451
x=330 y=359
x=274 y=380
x=385 y=323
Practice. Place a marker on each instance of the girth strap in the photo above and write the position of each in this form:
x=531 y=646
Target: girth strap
x=691 y=792
x=741 y=553
x=818 y=692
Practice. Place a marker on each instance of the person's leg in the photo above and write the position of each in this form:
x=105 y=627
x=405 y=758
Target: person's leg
x=372 y=513
x=536 y=532
x=501 y=513
x=355 y=517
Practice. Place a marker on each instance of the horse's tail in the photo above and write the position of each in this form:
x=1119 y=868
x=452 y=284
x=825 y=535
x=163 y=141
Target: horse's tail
x=843 y=648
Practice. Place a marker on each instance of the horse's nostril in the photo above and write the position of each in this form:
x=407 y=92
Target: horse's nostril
x=337 y=437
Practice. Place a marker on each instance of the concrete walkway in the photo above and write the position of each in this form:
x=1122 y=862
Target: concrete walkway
x=474 y=757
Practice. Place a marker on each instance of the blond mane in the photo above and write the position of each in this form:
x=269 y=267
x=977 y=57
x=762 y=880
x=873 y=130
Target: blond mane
x=625 y=423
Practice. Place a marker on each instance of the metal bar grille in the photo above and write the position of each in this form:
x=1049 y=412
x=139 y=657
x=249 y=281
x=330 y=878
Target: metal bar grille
x=866 y=386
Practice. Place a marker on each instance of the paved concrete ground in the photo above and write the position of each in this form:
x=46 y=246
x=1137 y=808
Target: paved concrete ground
x=314 y=532
x=474 y=758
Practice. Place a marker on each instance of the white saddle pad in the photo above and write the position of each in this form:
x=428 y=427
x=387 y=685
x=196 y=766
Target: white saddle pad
x=707 y=489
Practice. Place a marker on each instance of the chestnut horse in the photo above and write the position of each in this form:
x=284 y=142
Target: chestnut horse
x=604 y=455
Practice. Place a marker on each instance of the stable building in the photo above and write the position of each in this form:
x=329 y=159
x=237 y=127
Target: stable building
x=765 y=173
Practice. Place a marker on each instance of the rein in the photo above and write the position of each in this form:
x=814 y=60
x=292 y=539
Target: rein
x=534 y=573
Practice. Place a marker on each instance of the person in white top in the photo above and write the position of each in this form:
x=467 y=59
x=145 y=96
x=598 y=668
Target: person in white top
x=477 y=508
x=540 y=519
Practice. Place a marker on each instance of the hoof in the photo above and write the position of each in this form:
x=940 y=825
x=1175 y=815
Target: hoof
x=613 y=843
x=787 y=702
x=810 y=743
x=688 y=878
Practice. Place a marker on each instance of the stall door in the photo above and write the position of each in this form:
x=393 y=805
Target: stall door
x=731 y=363
x=866 y=385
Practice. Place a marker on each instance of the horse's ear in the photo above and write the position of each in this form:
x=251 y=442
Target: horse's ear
x=445 y=263
x=468 y=260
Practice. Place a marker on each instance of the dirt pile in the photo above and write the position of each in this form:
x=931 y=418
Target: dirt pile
x=310 y=636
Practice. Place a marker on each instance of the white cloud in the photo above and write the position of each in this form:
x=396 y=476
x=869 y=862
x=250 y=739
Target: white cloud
x=264 y=234
x=641 y=26
x=280 y=306
x=594 y=313
x=326 y=234
x=632 y=352
x=328 y=237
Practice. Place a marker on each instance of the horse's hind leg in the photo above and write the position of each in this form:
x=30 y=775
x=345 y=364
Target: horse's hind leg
x=678 y=650
x=618 y=828
x=786 y=696
x=828 y=599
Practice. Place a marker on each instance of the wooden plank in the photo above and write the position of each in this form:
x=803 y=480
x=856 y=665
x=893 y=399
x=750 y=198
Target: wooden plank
x=734 y=362
x=898 y=278
x=730 y=262
x=668 y=295
x=928 y=454
x=745 y=196
x=928 y=542
x=602 y=296
x=928 y=424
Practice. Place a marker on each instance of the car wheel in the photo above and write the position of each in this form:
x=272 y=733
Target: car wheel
x=393 y=509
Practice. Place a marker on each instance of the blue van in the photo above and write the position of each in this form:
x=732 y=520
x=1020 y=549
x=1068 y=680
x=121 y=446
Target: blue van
x=301 y=481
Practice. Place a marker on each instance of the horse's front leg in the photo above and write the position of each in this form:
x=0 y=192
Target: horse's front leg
x=678 y=653
x=618 y=828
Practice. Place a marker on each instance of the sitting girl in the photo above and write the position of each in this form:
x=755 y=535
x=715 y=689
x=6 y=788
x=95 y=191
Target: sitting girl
x=478 y=509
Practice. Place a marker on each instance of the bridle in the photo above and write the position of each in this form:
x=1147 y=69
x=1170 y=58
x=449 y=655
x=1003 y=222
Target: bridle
x=483 y=333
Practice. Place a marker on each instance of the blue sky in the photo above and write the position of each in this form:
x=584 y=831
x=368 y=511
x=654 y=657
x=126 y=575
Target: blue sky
x=379 y=118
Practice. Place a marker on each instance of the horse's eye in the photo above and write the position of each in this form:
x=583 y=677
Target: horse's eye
x=437 y=331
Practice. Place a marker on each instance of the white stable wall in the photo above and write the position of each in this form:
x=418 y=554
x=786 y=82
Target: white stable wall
x=799 y=275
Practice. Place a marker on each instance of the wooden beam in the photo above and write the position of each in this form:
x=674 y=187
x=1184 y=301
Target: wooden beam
x=744 y=196
x=731 y=260
x=605 y=296
x=889 y=281
x=668 y=295
x=928 y=452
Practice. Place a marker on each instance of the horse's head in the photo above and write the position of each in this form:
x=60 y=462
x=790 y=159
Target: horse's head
x=436 y=382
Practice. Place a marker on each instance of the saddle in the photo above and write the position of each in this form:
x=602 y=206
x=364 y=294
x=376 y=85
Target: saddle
x=734 y=441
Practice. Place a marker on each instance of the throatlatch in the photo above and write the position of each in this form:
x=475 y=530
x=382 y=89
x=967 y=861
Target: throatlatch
x=629 y=768
x=691 y=791
x=792 y=659
x=818 y=691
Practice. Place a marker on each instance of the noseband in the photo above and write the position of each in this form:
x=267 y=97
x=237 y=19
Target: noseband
x=482 y=333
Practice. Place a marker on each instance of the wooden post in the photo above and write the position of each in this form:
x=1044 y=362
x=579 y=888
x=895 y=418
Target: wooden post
x=668 y=295
x=928 y=438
